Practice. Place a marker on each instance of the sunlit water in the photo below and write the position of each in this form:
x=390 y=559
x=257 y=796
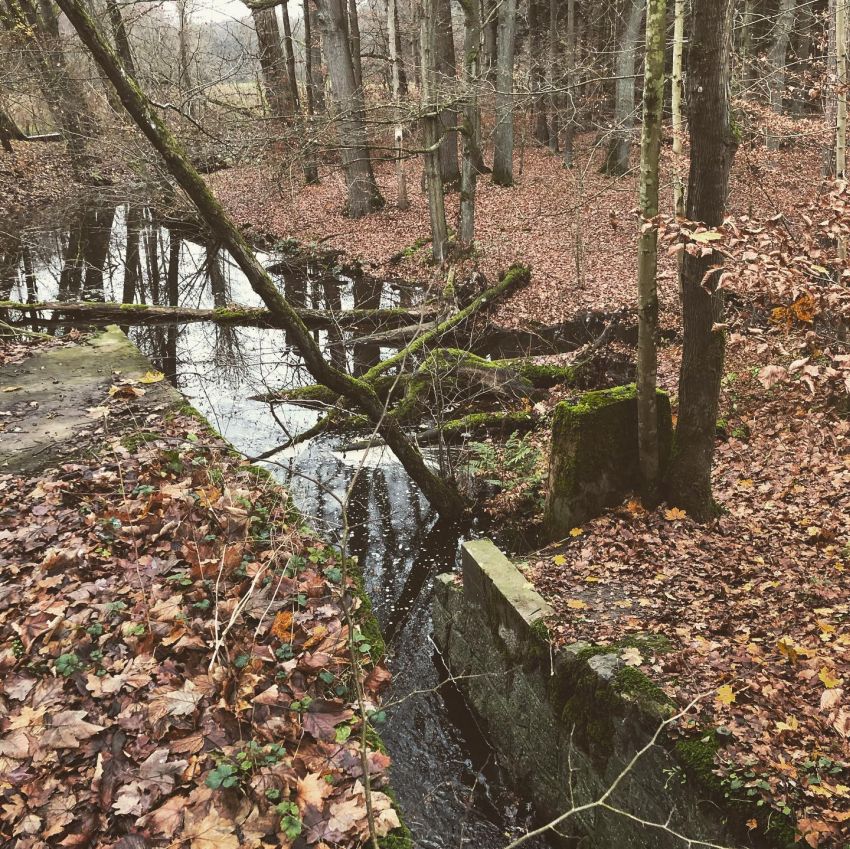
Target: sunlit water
x=443 y=771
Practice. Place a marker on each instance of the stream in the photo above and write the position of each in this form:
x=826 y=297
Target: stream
x=449 y=788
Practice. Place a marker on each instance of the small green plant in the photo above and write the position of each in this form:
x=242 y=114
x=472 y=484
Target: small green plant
x=290 y=819
x=68 y=664
x=225 y=775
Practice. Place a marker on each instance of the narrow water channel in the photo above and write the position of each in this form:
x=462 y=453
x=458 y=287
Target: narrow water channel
x=449 y=787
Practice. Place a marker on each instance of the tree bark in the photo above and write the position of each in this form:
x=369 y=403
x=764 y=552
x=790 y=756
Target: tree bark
x=363 y=194
x=537 y=34
x=471 y=121
x=272 y=62
x=289 y=52
x=443 y=91
x=443 y=496
x=354 y=43
x=570 y=98
x=9 y=131
x=398 y=132
x=676 y=104
x=311 y=168
x=120 y=37
x=490 y=26
x=503 y=151
x=316 y=76
x=776 y=75
x=712 y=150
x=431 y=134
x=650 y=148
x=617 y=161
x=841 y=89
x=552 y=75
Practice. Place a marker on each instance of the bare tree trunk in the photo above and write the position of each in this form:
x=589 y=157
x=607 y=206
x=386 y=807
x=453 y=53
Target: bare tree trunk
x=471 y=122
x=503 y=149
x=272 y=62
x=289 y=52
x=402 y=74
x=776 y=78
x=185 y=83
x=119 y=35
x=354 y=42
x=446 y=68
x=363 y=194
x=617 y=161
x=316 y=76
x=570 y=98
x=539 y=102
x=830 y=106
x=490 y=26
x=650 y=149
x=841 y=86
x=712 y=149
x=747 y=59
x=311 y=169
x=676 y=102
x=132 y=265
x=552 y=75
x=395 y=63
x=431 y=134
x=442 y=495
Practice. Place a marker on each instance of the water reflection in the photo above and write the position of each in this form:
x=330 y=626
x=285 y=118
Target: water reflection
x=443 y=770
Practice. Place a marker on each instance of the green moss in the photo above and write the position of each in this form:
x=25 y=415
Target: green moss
x=134 y=441
x=133 y=307
x=366 y=618
x=697 y=755
x=633 y=684
x=540 y=630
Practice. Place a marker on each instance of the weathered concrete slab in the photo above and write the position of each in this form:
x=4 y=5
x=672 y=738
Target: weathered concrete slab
x=48 y=420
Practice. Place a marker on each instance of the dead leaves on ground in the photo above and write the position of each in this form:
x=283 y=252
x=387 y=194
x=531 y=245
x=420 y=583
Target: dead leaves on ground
x=112 y=579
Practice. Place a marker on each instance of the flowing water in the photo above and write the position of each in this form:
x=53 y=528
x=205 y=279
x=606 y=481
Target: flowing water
x=450 y=788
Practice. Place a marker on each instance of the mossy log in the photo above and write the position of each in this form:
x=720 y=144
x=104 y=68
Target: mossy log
x=518 y=378
x=131 y=314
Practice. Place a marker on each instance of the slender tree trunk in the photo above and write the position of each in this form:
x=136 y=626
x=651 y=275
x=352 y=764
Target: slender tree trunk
x=617 y=161
x=676 y=103
x=402 y=74
x=830 y=106
x=185 y=84
x=443 y=90
x=431 y=134
x=490 y=26
x=354 y=42
x=776 y=79
x=841 y=83
x=395 y=65
x=132 y=265
x=311 y=169
x=471 y=122
x=570 y=98
x=363 y=194
x=442 y=495
x=120 y=37
x=650 y=148
x=552 y=76
x=712 y=150
x=503 y=149
x=289 y=52
x=536 y=60
x=747 y=59
x=317 y=74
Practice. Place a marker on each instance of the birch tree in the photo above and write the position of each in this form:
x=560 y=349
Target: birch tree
x=650 y=148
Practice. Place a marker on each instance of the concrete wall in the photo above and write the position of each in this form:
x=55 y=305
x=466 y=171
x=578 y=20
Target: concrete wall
x=564 y=723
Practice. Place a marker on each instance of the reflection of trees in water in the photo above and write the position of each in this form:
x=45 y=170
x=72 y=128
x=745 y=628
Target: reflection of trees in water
x=10 y=258
x=367 y=295
x=85 y=254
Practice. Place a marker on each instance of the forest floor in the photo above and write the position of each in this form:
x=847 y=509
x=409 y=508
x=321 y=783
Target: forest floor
x=179 y=654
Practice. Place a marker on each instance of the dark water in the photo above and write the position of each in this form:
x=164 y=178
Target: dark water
x=444 y=773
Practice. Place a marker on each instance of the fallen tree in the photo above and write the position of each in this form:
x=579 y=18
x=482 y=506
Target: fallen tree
x=98 y=312
x=442 y=495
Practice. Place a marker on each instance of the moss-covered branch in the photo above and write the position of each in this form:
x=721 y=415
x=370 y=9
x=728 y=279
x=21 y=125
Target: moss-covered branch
x=128 y=314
